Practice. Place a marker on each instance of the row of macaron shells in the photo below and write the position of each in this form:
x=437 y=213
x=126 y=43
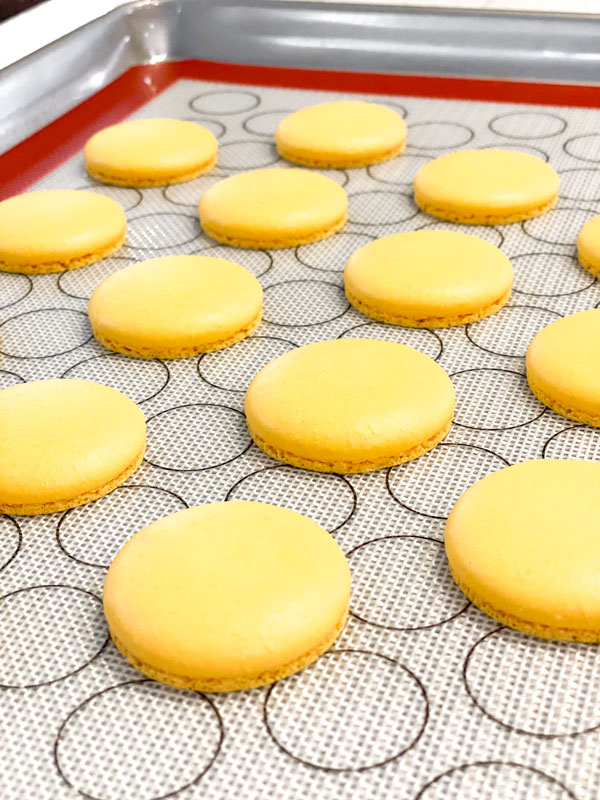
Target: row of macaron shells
x=278 y=243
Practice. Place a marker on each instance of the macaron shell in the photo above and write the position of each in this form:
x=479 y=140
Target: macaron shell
x=349 y=405
x=524 y=545
x=58 y=229
x=64 y=442
x=150 y=152
x=346 y=133
x=563 y=366
x=272 y=208
x=428 y=278
x=486 y=187
x=588 y=246
x=227 y=595
x=175 y=306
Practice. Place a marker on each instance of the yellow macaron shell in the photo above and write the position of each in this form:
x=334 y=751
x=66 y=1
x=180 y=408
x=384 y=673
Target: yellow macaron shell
x=227 y=595
x=273 y=208
x=486 y=187
x=65 y=442
x=563 y=366
x=524 y=545
x=588 y=246
x=58 y=229
x=349 y=405
x=175 y=306
x=150 y=152
x=428 y=278
x=345 y=133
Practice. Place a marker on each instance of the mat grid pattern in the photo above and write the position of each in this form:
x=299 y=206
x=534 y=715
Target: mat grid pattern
x=423 y=697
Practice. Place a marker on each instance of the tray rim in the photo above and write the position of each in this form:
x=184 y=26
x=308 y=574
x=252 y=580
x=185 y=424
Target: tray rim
x=410 y=40
x=432 y=10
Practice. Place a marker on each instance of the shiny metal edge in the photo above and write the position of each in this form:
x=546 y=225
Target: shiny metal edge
x=295 y=33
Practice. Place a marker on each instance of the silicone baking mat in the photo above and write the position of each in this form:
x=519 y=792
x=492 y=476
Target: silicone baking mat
x=423 y=697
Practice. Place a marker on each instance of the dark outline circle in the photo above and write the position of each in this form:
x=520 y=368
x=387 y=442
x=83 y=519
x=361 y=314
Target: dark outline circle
x=216 y=246
x=112 y=355
x=377 y=224
x=194 y=204
x=50 y=355
x=439 y=222
x=395 y=183
x=387 y=103
x=242 y=391
x=338 y=770
x=578 y=169
x=98 y=185
x=306 y=324
x=581 y=158
x=560 y=294
x=123 y=486
x=201 y=123
x=247 y=169
x=70 y=271
x=556 y=208
x=507 y=145
x=440 y=122
x=10 y=372
x=164 y=214
x=332 y=238
x=199 y=405
x=441 y=444
x=255 y=97
x=505 y=725
x=505 y=355
x=83 y=666
x=262 y=114
x=393 y=627
x=558 y=433
x=87 y=700
x=289 y=466
x=495 y=369
x=344 y=171
x=29 y=290
x=463 y=767
x=19 y=540
x=534 y=113
x=376 y=322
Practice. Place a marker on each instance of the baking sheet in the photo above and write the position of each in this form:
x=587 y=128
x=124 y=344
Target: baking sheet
x=368 y=37
x=423 y=696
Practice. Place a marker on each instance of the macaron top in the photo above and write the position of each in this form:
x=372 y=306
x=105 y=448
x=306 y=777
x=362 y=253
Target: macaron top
x=58 y=225
x=349 y=400
x=176 y=301
x=149 y=149
x=526 y=540
x=340 y=132
x=226 y=590
x=563 y=360
x=425 y=274
x=273 y=204
x=588 y=241
x=62 y=438
x=500 y=181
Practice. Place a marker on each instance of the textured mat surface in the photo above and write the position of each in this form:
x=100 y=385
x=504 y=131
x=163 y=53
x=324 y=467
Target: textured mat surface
x=423 y=696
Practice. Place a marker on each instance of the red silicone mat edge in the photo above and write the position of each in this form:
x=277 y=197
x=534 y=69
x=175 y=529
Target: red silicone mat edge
x=33 y=158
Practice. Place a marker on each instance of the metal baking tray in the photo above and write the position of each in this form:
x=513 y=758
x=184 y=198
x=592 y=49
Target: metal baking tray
x=423 y=697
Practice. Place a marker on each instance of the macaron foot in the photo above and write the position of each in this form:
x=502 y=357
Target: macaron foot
x=346 y=467
x=233 y=684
